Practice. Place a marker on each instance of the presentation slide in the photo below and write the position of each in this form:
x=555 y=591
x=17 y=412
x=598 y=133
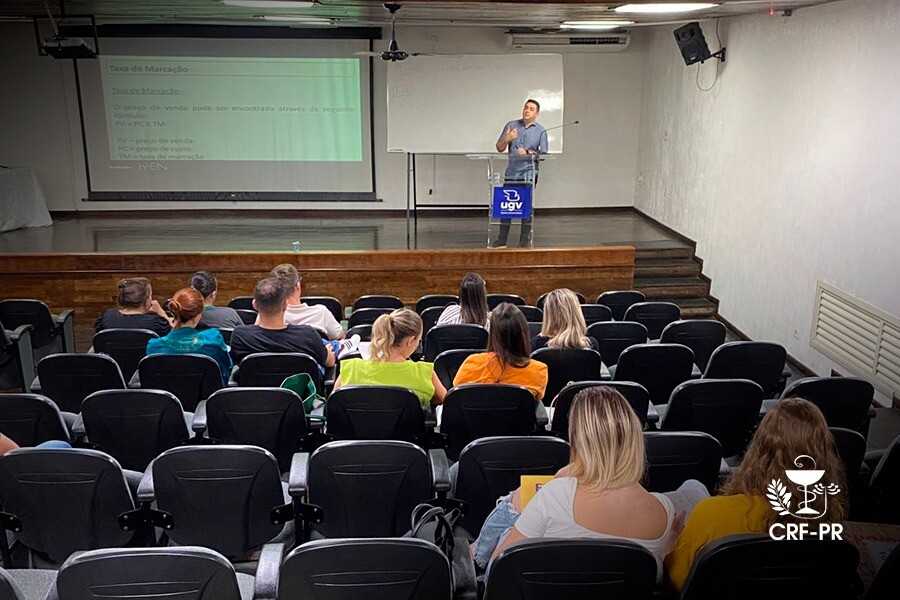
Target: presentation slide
x=228 y=119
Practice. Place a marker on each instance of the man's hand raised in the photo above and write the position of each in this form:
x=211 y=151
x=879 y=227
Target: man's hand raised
x=511 y=134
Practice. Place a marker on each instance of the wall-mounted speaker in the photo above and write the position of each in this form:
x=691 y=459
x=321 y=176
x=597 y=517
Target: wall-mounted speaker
x=692 y=43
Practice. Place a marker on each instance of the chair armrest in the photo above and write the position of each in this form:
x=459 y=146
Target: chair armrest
x=267 y=570
x=198 y=424
x=145 y=492
x=66 y=322
x=297 y=479
x=233 y=379
x=652 y=414
x=440 y=470
x=78 y=427
x=35 y=386
x=135 y=381
x=541 y=417
x=64 y=316
x=21 y=339
x=19 y=331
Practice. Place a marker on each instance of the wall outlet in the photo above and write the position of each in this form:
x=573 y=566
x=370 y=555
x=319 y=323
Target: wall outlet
x=795 y=334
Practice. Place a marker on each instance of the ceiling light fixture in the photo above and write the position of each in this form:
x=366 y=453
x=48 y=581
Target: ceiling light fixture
x=594 y=25
x=682 y=7
x=268 y=3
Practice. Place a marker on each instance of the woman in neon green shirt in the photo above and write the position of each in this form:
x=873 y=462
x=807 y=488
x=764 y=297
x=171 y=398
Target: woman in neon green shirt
x=394 y=338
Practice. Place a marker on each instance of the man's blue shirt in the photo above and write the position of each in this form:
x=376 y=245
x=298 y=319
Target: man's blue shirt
x=533 y=139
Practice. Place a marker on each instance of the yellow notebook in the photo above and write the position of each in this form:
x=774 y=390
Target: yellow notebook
x=530 y=486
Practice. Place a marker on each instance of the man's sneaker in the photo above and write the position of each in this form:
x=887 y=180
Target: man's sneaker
x=348 y=345
x=497 y=244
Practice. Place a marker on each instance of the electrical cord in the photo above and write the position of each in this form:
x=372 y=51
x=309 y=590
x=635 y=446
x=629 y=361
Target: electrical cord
x=716 y=80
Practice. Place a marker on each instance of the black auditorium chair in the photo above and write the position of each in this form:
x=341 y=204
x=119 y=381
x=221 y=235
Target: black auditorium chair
x=355 y=569
x=50 y=333
x=534 y=328
x=844 y=401
x=454 y=337
x=884 y=487
x=185 y=573
x=492 y=467
x=851 y=447
x=67 y=379
x=16 y=358
x=565 y=365
x=435 y=301
x=126 y=346
x=702 y=336
x=31 y=419
x=673 y=457
x=377 y=301
x=364 y=332
x=477 y=410
x=226 y=334
x=134 y=426
x=756 y=566
x=241 y=303
x=375 y=412
x=538 y=568
x=64 y=500
x=448 y=362
x=543 y=297
x=614 y=336
x=333 y=305
x=367 y=316
x=430 y=317
x=494 y=300
x=271 y=418
x=658 y=367
x=727 y=409
x=887 y=579
x=653 y=315
x=270 y=369
x=636 y=395
x=596 y=313
x=248 y=317
x=26 y=584
x=190 y=377
x=532 y=314
x=619 y=301
x=762 y=362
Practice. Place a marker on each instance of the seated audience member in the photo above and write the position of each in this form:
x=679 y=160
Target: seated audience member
x=187 y=307
x=395 y=337
x=472 y=307
x=793 y=428
x=507 y=358
x=137 y=309
x=213 y=316
x=8 y=445
x=271 y=334
x=300 y=313
x=598 y=495
x=563 y=325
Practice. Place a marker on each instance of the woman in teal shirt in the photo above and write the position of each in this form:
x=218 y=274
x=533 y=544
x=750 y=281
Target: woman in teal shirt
x=187 y=308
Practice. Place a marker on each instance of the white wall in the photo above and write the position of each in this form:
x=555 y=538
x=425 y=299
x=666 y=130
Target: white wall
x=786 y=172
x=40 y=127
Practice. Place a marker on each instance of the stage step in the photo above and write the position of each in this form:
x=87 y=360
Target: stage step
x=672 y=287
x=667 y=267
x=694 y=308
x=666 y=252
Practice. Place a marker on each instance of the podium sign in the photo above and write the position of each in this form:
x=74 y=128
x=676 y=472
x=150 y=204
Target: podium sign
x=511 y=202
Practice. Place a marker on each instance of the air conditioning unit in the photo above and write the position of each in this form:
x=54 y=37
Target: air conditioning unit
x=568 y=42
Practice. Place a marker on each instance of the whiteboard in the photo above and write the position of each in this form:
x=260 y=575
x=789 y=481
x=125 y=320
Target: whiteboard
x=459 y=104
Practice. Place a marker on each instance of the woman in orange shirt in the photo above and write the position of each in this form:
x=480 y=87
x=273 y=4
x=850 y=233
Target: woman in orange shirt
x=507 y=358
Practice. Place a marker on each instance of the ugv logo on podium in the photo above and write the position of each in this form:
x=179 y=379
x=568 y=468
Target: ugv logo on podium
x=511 y=202
x=813 y=505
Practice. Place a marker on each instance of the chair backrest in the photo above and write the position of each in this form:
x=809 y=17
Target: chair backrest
x=762 y=362
x=435 y=301
x=362 y=569
x=134 y=426
x=333 y=305
x=430 y=317
x=886 y=475
x=377 y=301
x=727 y=409
x=614 y=336
x=191 y=377
x=851 y=447
x=657 y=367
x=495 y=300
x=126 y=346
x=565 y=365
x=448 y=362
x=756 y=566
x=619 y=301
x=364 y=332
x=219 y=496
x=368 y=488
x=478 y=410
x=596 y=313
x=673 y=457
x=14 y=313
x=700 y=335
x=609 y=569
x=636 y=395
x=374 y=412
x=844 y=401
x=67 y=379
x=182 y=573
x=493 y=466
x=534 y=328
x=241 y=303
x=31 y=419
x=463 y=336
x=653 y=315
x=10 y=590
x=226 y=334
x=367 y=316
x=532 y=314
x=67 y=500
x=269 y=369
x=248 y=317
x=887 y=579
x=271 y=418
x=543 y=298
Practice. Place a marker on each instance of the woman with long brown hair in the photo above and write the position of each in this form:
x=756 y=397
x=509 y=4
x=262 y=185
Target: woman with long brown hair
x=792 y=434
x=473 y=305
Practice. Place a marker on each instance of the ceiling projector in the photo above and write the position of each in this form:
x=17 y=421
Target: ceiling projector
x=64 y=47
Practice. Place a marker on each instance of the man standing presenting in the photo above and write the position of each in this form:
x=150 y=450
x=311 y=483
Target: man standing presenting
x=525 y=139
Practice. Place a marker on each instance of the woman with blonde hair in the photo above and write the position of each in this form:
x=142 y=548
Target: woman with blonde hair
x=563 y=325
x=598 y=495
x=395 y=337
x=794 y=430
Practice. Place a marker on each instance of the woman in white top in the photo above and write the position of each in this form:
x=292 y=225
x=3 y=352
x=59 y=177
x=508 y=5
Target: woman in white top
x=472 y=307
x=598 y=495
